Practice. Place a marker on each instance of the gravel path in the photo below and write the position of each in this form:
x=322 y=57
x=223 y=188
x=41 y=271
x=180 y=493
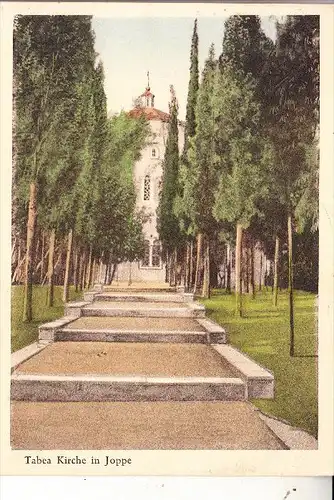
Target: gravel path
x=121 y=426
x=151 y=359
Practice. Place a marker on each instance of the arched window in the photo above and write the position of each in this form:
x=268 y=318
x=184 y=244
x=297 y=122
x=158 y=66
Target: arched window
x=152 y=254
x=147 y=188
x=146 y=259
x=156 y=251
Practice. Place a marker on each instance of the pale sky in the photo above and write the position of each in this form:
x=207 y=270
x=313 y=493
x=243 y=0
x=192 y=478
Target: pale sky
x=129 y=47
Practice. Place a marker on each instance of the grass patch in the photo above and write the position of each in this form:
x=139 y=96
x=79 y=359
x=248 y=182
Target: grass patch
x=264 y=334
x=25 y=333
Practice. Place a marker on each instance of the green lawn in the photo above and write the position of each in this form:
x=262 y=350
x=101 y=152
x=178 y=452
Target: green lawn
x=264 y=334
x=25 y=333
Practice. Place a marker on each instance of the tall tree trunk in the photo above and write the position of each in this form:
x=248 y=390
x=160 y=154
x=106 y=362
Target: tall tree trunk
x=111 y=266
x=76 y=268
x=50 y=293
x=265 y=276
x=106 y=273
x=238 y=276
x=56 y=266
x=113 y=273
x=291 y=305
x=83 y=271
x=187 y=266
x=68 y=266
x=167 y=268
x=275 y=290
x=191 y=265
x=246 y=273
x=198 y=259
x=228 y=264
x=177 y=268
x=261 y=271
x=19 y=255
x=89 y=268
x=252 y=271
x=81 y=257
x=42 y=257
x=130 y=275
x=206 y=275
x=38 y=243
x=93 y=271
x=31 y=227
x=97 y=268
x=170 y=266
x=213 y=268
x=101 y=270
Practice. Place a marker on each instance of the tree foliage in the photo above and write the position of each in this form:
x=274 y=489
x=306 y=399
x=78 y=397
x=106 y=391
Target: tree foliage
x=73 y=166
x=190 y=124
x=168 y=225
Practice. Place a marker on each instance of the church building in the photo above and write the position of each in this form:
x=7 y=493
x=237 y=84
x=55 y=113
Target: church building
x=148 y=179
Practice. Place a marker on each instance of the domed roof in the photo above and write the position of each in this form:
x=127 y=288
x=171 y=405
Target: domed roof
x=149 y=113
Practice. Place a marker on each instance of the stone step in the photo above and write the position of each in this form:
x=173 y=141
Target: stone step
x=141 y=309
x=260 y=381
x=108 y=335
x=100 y=371
x=149 y=324
x=139 y=289
x=113 y=388
x=133 y=329
x=123 y=368
x=138 y=297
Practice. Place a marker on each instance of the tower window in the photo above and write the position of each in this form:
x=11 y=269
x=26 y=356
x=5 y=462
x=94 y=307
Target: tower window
x=147 y=188
x=155 y=152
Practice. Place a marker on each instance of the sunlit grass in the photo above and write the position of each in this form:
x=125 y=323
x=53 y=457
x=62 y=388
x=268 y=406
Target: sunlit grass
x=24 y=333
x=263 y=333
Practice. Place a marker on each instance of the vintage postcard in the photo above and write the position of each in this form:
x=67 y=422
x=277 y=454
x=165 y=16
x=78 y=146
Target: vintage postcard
x=167 y=239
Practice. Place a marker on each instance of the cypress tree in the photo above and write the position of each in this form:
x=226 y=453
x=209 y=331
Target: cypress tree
x=190 y=125
x=189 y=131
x=46 y=51
x=293 y=94
x=201 y=180
x=242 y=155
x=246 y=48
x=167 y=222
x=245 y=54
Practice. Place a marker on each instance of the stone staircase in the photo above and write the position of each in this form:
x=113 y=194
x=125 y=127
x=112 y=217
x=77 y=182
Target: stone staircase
x=141 y=345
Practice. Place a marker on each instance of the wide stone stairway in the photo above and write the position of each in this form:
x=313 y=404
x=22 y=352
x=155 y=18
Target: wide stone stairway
x=137 y=368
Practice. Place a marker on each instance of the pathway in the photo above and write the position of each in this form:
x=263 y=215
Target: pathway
x=137 y=368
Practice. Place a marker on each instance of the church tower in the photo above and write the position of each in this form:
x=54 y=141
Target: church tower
x=148 y=179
